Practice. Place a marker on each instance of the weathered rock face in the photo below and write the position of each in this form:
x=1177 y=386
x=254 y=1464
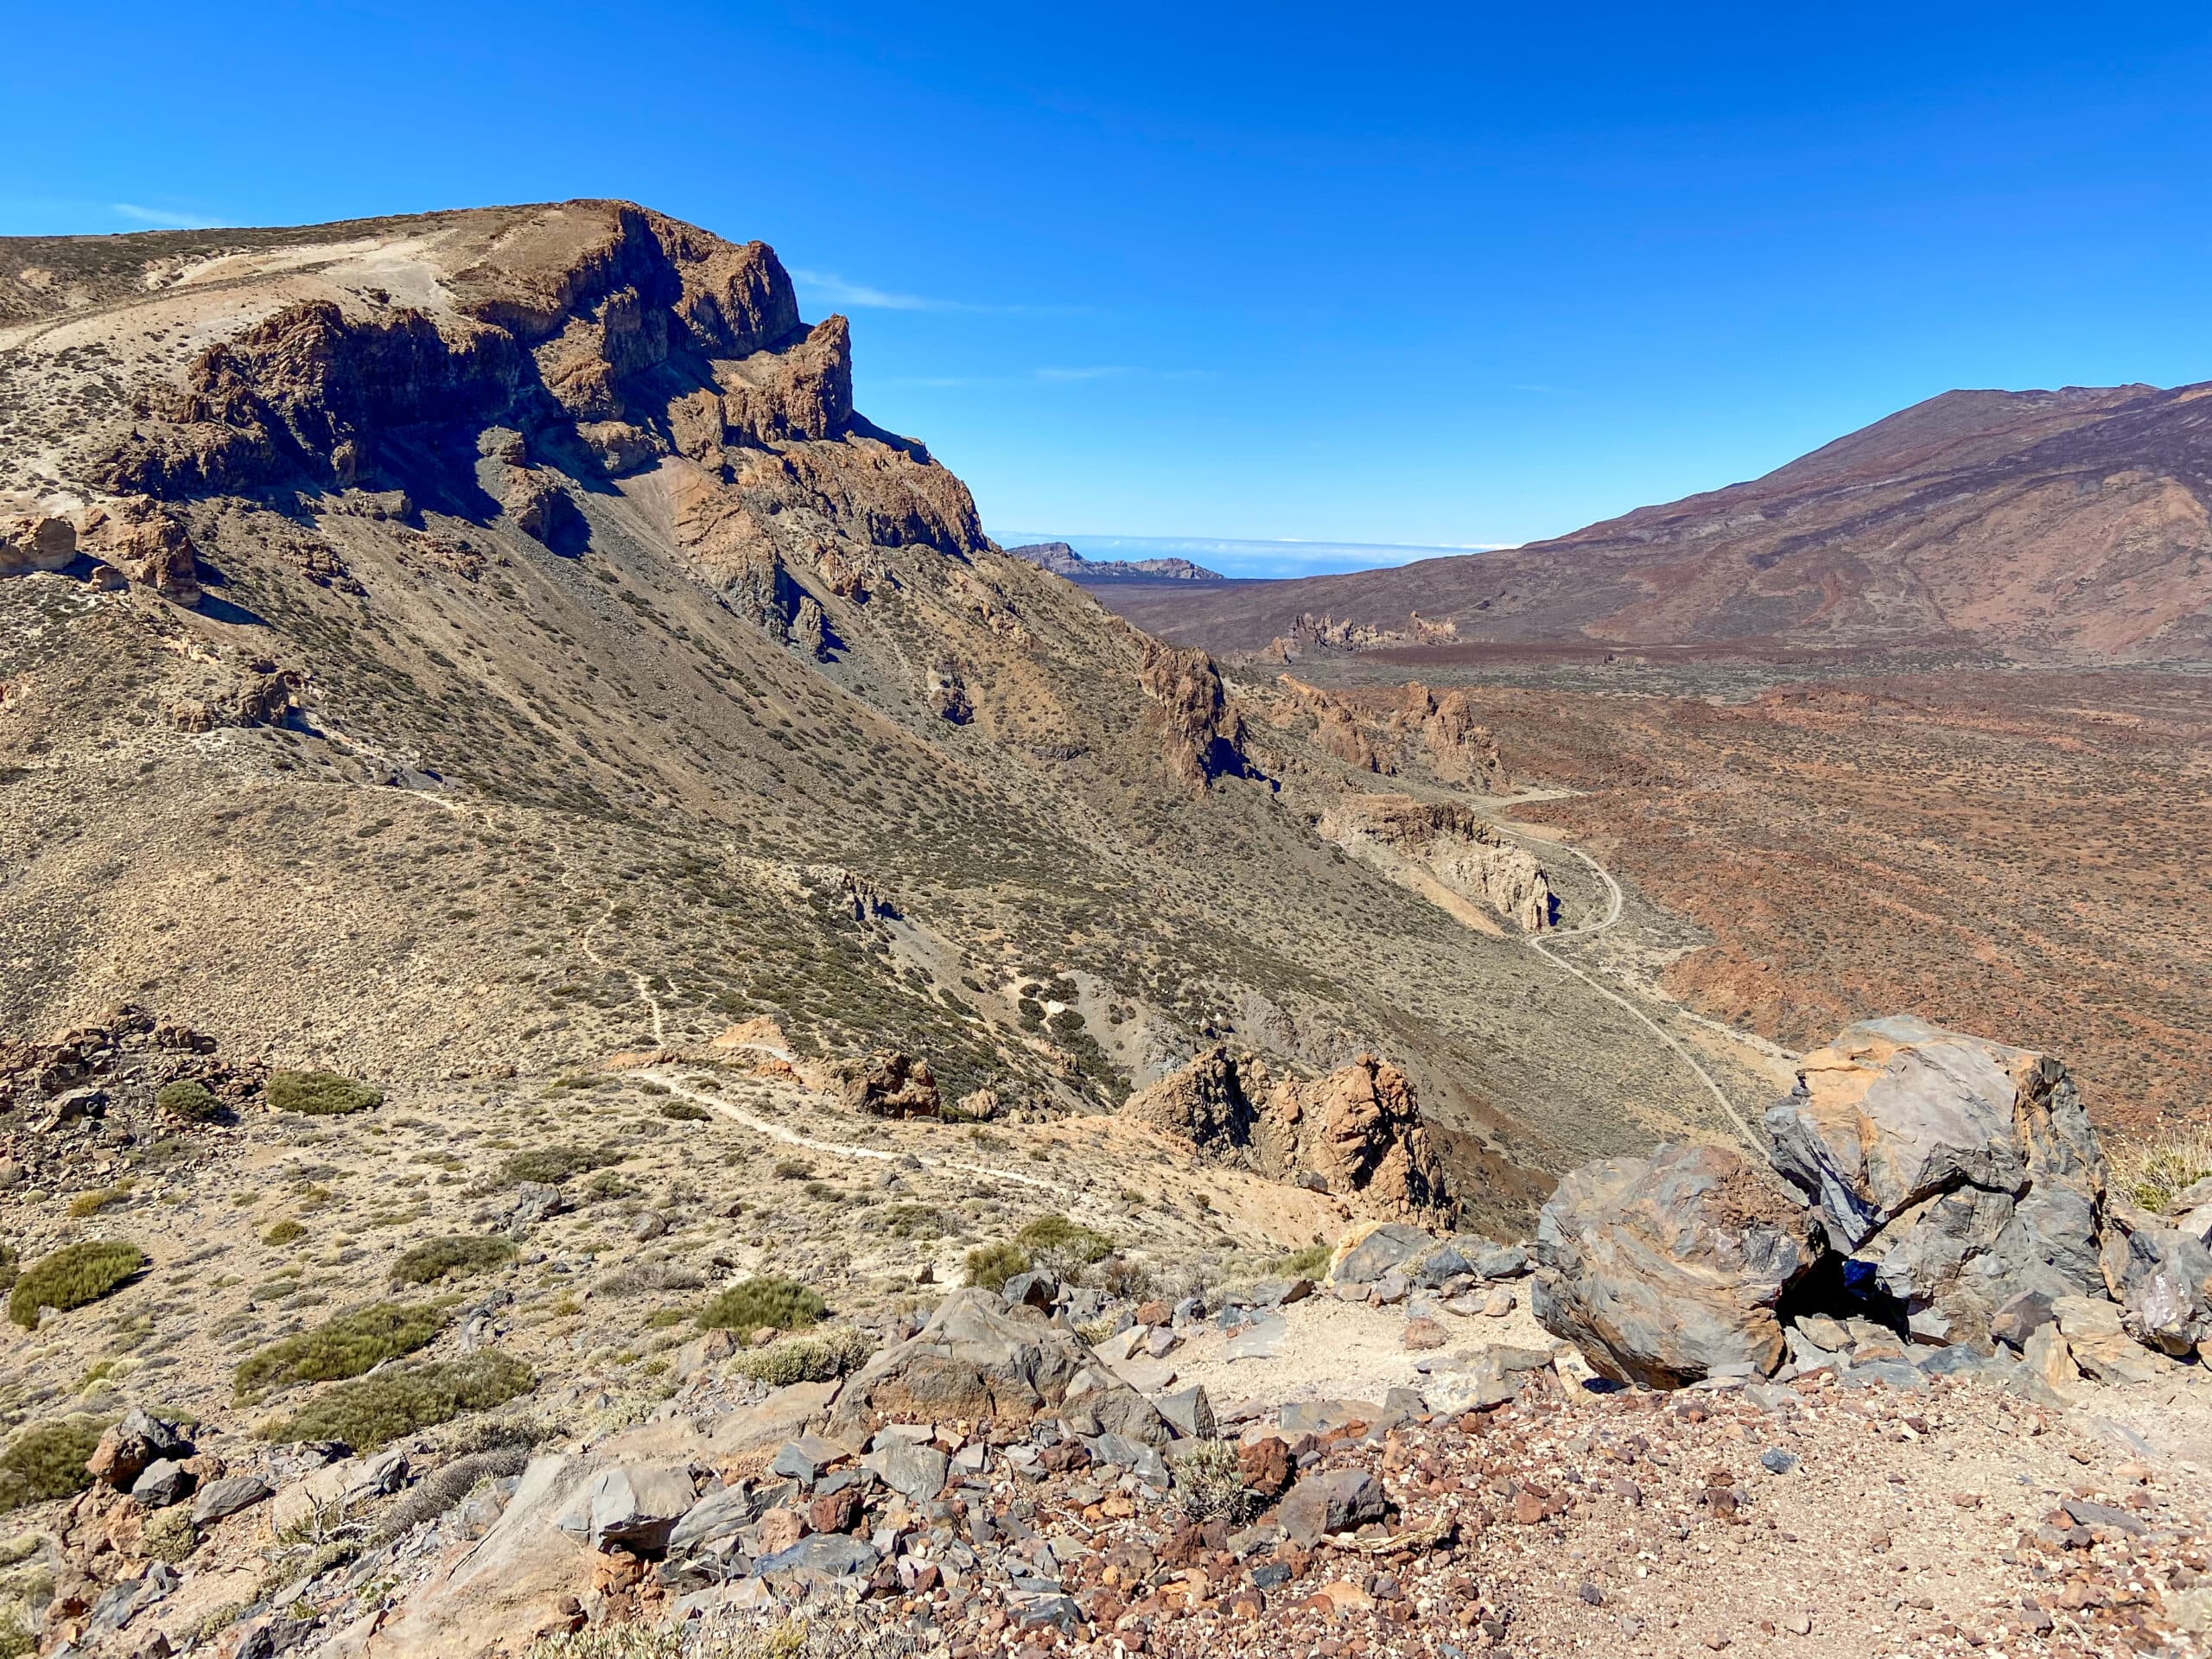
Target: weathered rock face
x=1422 y=731
x=1447 y=841
x=1204 y=736
x=36 y=541
x=891 y=1084
x=805 y=392
x=1357 y=1131
x=978 y=1358
x=1958 y=1172
x=1667 y=1269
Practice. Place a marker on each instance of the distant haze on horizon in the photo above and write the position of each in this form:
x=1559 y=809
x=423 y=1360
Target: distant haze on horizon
x=1486 y=274
x=1246 y=559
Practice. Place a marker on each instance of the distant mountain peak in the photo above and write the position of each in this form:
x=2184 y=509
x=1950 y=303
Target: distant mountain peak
x=1062 y=560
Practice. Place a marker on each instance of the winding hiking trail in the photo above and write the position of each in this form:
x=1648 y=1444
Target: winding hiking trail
x=1616 y=902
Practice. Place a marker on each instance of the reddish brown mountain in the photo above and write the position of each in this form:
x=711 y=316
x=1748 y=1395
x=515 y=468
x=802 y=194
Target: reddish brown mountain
x=2068 y=524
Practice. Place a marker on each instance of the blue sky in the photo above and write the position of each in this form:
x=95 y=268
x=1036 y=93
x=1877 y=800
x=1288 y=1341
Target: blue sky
x=1418 y=276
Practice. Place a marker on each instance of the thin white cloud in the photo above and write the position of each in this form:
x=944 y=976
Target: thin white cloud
x=833 y=289
x=828 y=288
x=162 y=217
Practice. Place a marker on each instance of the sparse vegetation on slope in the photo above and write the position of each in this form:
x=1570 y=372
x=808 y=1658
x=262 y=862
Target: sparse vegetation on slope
x=320 y=1094
x=369 y=1412
x=765 y=1302
x=345 y=1346
x=450 y=1258
x=48 y=1461
x=73 y=1276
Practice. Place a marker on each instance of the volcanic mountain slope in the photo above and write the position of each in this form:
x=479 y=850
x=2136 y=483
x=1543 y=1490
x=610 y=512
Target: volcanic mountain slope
x=2036 y=526
x=492 y=640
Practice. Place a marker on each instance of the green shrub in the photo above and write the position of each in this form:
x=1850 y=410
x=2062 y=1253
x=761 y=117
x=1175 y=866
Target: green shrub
x=344 y=1346
x=284 y=1232
x=1308 y=1264
x=1060 y=1244
x=189 y=1100
x=72 y=1276
x=91 y=1203
x=550 y=1166
x=817 y=1357
x=768 y=1300
x=371 y=1411
x=48 y=1461
x=169 y=1534
x=684 y=1111
x=320 y=1094
x=991 y=1265
x=450 y=1258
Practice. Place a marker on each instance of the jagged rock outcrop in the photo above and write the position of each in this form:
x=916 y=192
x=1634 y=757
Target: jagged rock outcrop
x=38 y=541
x=1667 y=1269
x=1445 y=841
x=977 y=1358
x=1419 y=731
x=1956 y=1172
x=1203 y=735
x=1357 y=1132
x=888 y=1083
x=804 y=392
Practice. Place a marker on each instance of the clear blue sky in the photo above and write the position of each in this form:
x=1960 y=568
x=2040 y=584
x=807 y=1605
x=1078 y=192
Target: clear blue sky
x=1456 y=275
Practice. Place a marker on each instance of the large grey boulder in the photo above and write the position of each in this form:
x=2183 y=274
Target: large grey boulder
x=979 y=1359
x=631 y=1507
x=1957 y=1171
x=1368 y=1256
x=1665 y=1270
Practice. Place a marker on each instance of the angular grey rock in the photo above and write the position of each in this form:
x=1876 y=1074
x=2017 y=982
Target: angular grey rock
x=1961 y=1171
x=1031 y=1290
x=1503 y=1262
x=1340 y=1500
x=978 y=1358
x=824 y=1557
x=2161 y=1276
x=536 y=1201
x=1490 y=1377
x=1385 y=1248
x=1191 y=1413
x=722 y=1513
x=163 y=1481
x=633 y=1507
x=1281 y=1292
x=1664 y=1269
x=1443 y=1264
x=219 y=1499
x=2012 y=1323
x=914 y=1470
x=804 y=1458
x=127 y=1449
x=1262 y=1338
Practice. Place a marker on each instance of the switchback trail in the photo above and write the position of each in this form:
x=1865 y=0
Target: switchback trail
x=1615 y=903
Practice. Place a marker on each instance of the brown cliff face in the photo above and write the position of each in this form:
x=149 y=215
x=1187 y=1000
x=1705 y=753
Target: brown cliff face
x=1355 y=1133
x=2061 y=525
x=1203 y=735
